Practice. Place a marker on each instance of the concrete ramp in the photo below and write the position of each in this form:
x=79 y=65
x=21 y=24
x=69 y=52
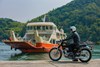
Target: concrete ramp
x=45 y=63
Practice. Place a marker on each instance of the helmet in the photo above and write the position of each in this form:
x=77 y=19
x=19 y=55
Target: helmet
x=73 y=28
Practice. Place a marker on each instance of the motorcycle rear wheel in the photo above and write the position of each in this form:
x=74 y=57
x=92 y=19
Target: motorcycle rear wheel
x=86 y=54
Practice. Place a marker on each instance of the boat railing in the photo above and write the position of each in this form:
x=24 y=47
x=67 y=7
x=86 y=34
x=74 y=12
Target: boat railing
x=40 y=31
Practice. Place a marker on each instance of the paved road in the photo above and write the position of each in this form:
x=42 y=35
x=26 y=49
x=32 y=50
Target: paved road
x=45 y=63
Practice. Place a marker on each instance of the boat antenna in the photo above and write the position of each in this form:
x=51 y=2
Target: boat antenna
x=44 y=19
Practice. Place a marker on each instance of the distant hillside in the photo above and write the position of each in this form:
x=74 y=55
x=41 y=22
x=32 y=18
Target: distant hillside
x=6 y=25
x=84 y=14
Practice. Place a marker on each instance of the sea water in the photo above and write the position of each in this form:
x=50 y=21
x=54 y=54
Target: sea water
x=6 y=54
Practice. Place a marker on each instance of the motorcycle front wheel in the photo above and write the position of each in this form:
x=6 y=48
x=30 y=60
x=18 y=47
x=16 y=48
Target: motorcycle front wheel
x=55 y=54
x=85 y=55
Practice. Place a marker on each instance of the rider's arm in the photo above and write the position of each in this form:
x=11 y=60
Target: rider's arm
x=68 y=38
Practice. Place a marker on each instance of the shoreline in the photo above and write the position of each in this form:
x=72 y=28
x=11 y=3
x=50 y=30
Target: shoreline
x=49 y=63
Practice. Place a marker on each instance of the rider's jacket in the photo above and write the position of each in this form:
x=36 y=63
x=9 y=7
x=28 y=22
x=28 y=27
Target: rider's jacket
x=75 y=37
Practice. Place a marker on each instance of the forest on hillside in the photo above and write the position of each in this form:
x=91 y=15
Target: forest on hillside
x=84 y=14
x=7 y=25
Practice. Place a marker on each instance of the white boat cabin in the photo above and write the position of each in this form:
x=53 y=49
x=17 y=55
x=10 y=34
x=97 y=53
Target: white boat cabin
x=45 y=32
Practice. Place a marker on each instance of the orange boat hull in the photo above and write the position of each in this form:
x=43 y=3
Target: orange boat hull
x=29 y=47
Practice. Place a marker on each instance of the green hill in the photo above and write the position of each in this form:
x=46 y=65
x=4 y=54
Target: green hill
x=6 y=25
x=84 y=14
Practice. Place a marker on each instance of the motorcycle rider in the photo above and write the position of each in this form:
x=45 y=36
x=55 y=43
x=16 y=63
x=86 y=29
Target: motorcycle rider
x=76 y=40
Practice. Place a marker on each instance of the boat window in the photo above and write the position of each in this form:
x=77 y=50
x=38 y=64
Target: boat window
x=43 y=27
x=51 y=28
x=29 y=27
x=38 y=27
x=35 y=27
x=46 y=27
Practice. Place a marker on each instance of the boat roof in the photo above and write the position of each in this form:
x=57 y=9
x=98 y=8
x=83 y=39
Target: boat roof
x=41 y=23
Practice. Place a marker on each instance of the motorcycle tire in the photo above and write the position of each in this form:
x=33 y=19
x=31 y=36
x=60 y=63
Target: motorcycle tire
x=57 y=51
x=89 y=57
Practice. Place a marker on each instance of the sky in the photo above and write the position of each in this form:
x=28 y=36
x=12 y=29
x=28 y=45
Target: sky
x=25 y=10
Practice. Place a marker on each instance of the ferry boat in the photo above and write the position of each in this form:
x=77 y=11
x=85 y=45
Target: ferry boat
x=39 y=37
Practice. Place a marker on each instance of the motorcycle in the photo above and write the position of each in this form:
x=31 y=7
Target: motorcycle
x=83 y=53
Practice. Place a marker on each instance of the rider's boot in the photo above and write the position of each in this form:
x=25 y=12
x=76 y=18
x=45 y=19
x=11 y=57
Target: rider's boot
x=74 y=58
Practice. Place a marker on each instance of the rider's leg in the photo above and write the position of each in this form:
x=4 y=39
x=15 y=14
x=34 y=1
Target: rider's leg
x=70 y=47
x=74 y=52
